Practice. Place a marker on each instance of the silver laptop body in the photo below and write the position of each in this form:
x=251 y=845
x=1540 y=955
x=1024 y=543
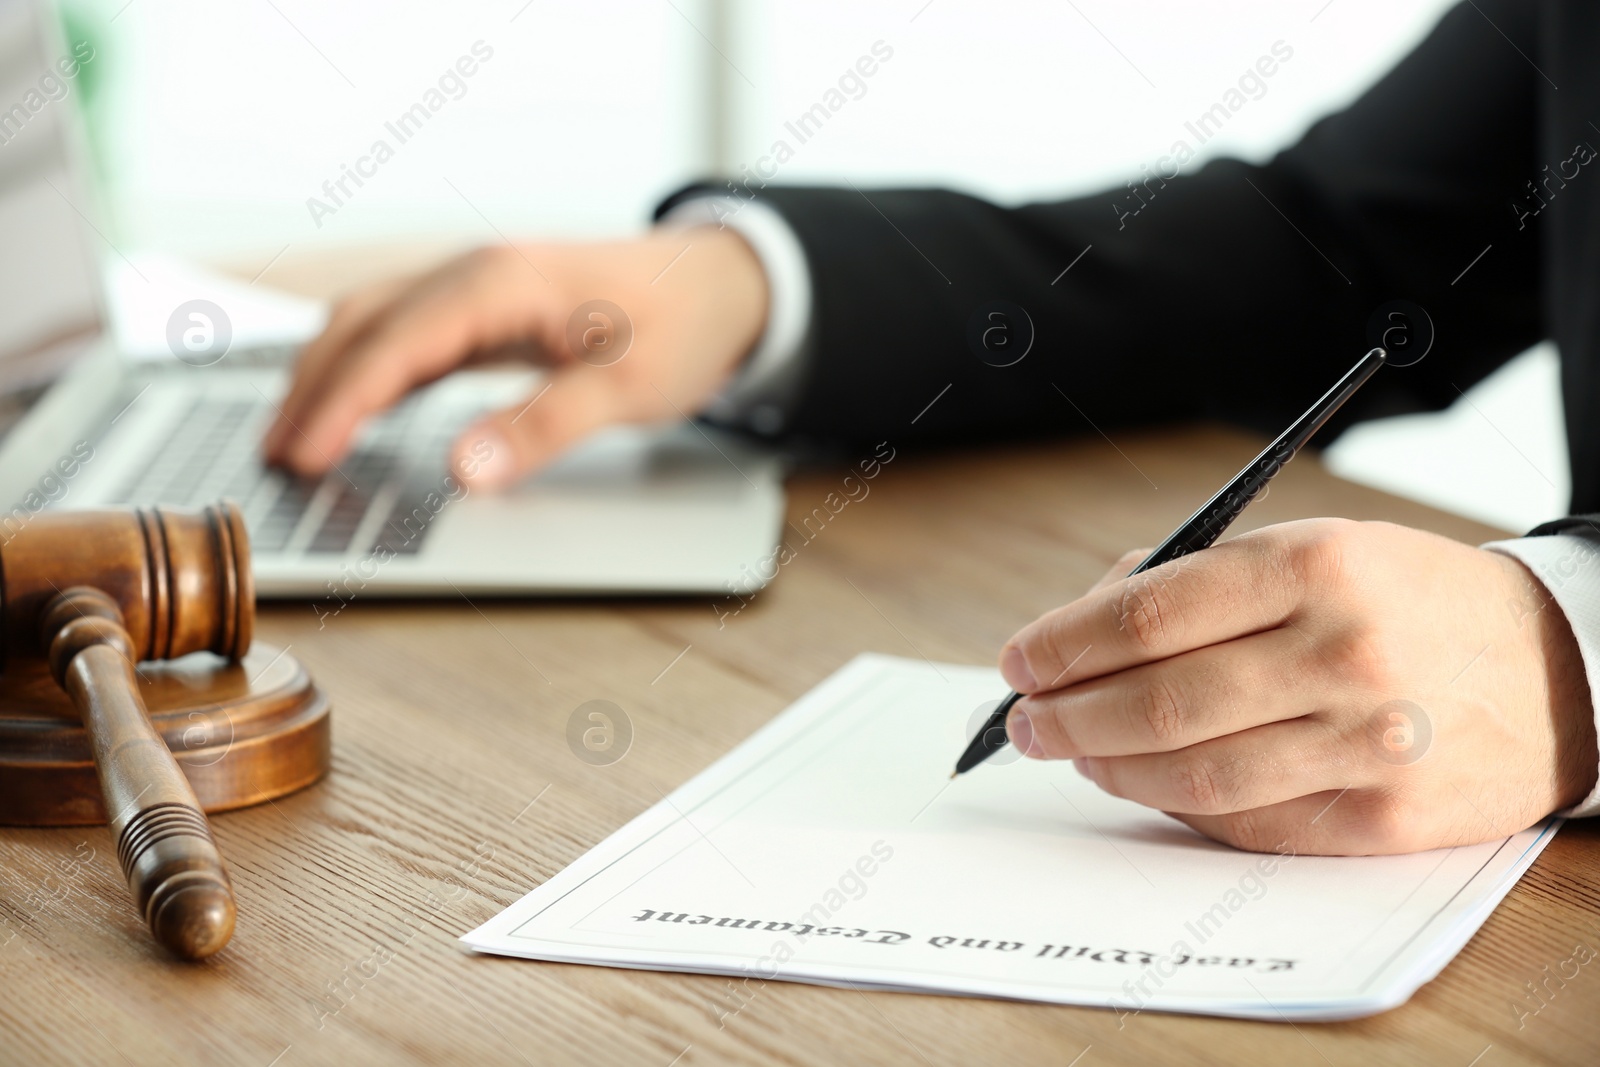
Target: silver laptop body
x=682 y=509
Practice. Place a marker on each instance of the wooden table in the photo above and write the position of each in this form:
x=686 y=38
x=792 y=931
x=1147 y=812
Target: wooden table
x=454 y=791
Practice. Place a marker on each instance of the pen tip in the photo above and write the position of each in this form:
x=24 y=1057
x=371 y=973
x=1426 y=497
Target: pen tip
x=954 y=775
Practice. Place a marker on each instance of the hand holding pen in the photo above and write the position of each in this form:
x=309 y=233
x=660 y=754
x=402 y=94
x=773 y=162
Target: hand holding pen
x=1321 y=686
x=1202 y=528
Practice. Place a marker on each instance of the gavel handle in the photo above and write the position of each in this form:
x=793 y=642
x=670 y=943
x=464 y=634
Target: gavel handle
x=164 y=842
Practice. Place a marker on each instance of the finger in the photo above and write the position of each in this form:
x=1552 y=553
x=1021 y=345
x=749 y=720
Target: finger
x=1174 y=703
x=1251 y=769
x=349 y=318
x=416 y=341
x=1335 y=822
x=1120 y=569
x=509 y=444
x=1229 y=590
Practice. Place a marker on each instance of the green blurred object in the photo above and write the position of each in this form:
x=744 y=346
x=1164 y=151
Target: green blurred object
x=75 y=28
x=78 y=25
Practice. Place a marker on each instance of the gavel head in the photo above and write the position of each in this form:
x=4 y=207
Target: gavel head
x=181 y=578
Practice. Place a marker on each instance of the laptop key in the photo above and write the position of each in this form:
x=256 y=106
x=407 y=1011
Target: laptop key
x=272 y=533
x=339 y=526
x=407 y=525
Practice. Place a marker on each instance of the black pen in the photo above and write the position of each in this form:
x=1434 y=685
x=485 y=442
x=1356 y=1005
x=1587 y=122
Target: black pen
x=1207 y=524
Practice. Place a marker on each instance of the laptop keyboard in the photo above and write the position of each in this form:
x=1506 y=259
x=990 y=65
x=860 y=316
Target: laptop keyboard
x=375 y=497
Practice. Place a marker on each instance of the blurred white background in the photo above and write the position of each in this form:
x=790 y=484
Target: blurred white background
x=220 y=120
x=214 y=123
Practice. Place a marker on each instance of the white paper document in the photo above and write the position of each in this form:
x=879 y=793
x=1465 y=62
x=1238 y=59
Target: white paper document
x=832 y=847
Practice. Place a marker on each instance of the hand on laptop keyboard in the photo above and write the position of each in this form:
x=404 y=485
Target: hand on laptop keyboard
x=370 y=498
x=683 y=307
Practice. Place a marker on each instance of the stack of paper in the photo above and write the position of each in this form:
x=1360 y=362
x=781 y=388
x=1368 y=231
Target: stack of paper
x=832 y=847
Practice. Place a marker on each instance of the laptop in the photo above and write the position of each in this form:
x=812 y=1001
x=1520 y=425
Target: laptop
x=668 y=510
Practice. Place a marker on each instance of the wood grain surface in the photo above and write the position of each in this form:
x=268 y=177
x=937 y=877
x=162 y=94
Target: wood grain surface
x=454 y=791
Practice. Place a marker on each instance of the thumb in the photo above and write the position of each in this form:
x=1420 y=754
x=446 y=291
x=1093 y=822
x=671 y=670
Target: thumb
x=504 y=447
x=1119 y=570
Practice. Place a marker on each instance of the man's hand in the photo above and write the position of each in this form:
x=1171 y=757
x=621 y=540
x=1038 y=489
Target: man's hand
x=1339 y=687
x=696 y=301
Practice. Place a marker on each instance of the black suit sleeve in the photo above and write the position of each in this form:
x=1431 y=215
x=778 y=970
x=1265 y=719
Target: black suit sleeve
x=1579 y=525
x=1239 y=292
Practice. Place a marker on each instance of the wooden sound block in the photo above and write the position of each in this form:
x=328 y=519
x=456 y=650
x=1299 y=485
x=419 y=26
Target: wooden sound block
x=243 y=733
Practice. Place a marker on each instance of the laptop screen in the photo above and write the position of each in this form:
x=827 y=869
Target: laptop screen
x=50 y=300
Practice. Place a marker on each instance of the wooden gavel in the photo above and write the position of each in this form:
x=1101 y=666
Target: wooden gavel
x=94 y=592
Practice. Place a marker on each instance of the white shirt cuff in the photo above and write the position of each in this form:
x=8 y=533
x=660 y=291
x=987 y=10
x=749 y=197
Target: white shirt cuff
x=759 y=396
x=1569 y=567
